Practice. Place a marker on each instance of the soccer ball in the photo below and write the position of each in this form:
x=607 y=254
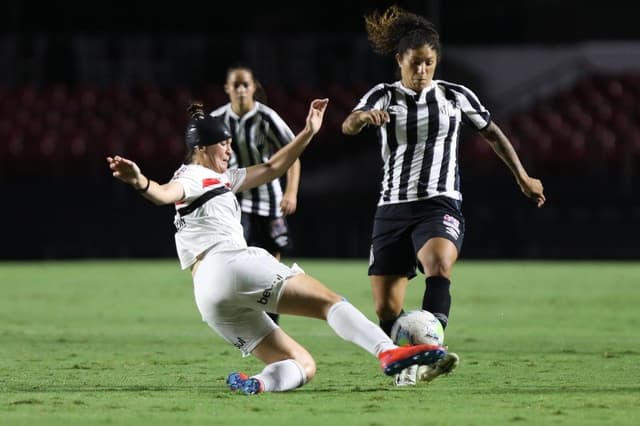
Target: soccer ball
x=416 y=328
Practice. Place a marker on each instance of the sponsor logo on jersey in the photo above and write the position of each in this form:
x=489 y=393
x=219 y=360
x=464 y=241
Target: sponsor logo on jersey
x=397 y=109
x=239 y=343
x=266 y=294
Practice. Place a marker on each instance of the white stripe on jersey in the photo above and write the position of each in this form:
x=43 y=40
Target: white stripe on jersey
x=419 y=146
x=256 y=136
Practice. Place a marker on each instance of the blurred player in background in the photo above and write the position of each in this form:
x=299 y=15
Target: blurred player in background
x=257 y=132
x=419 y=213
x=234 y=285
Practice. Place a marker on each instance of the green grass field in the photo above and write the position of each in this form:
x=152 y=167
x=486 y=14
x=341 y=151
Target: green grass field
x=103 y=343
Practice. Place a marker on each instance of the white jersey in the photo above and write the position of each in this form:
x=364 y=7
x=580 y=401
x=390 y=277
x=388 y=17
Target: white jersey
x=209 y=216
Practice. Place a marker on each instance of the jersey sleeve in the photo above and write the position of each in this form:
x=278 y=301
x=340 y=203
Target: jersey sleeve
x=191 y=184
x=473 y=112
x=236 y=177
x=376 y=98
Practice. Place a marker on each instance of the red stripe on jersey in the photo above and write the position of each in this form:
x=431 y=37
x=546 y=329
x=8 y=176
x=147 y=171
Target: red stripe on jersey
x=209 y=182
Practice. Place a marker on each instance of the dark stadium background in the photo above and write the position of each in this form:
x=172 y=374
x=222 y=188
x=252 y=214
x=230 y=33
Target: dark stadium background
x=79 y=81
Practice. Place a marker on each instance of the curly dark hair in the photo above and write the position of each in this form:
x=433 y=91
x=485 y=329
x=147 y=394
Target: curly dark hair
x=396 y=31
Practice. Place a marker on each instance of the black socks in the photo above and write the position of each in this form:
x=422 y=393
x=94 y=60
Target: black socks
x=437 y=298
x=387 y=325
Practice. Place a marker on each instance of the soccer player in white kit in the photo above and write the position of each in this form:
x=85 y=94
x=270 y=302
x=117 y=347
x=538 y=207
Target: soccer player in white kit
x=234 y=284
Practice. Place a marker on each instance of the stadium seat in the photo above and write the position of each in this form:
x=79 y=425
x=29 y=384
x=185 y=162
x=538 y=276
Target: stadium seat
x=578 y=116
x=604 y=144
x=478 y=155
x=87 y=97
x=76 y=147
x=114 y=144
x=142 y=146
x=341 y=97
x=214 y=96
x=595 y=119
x=569 y=152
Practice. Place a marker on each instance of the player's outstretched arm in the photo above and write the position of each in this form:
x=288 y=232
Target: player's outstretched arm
x=128 y=172
x=289 y=201
x=280 y=162
x=531 y=187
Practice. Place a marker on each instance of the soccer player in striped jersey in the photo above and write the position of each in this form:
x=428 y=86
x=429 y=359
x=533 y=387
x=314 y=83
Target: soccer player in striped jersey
x=418 y=220
x=258 y=131
x=235 y=284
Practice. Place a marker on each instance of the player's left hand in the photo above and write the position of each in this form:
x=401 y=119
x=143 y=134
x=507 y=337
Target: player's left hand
x=289 y=204
x=316 y=114
x=532 y=188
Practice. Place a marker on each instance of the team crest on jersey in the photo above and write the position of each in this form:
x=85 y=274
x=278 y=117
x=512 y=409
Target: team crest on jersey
x=179 y=222
x=447 y=109
x=452 y=225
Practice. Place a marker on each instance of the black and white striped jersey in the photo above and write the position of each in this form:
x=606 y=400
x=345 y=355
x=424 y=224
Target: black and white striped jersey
x=256 y=136
x=419 y=145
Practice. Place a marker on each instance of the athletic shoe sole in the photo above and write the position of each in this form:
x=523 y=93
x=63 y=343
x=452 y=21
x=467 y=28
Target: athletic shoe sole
x=443 y=367
x=235 y=380
x=423 y=358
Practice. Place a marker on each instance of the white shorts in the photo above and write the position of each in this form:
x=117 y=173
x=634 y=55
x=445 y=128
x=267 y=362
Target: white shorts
x=233 y=289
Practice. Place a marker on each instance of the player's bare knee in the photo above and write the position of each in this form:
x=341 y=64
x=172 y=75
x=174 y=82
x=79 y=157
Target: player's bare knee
x=385 y=309
x=441 y=269
x=438 y=266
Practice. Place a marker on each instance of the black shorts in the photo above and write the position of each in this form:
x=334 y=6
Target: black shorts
x=400 y=230
x=270 y=233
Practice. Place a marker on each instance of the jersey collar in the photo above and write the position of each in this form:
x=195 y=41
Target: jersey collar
x=248 y=115
x=412 y=92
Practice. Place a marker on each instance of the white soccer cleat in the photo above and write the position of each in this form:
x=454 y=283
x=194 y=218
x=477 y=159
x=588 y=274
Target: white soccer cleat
x=428 y=373
x=408 y=376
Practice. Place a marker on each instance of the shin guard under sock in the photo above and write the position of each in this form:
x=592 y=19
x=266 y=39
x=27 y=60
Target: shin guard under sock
x=437 y=298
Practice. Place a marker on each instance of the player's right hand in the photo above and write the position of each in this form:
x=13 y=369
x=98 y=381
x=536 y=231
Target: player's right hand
x=375 y=117
x=124 y=169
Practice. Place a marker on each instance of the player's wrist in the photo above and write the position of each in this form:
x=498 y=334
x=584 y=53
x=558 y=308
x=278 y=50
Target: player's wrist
x=142 y=188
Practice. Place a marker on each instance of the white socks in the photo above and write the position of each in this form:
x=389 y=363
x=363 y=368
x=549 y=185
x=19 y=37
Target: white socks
x=351 y=324
x=282 y=376
x=348 y=323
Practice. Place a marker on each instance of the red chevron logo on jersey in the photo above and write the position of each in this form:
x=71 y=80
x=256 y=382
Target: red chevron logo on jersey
x=209 y=182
